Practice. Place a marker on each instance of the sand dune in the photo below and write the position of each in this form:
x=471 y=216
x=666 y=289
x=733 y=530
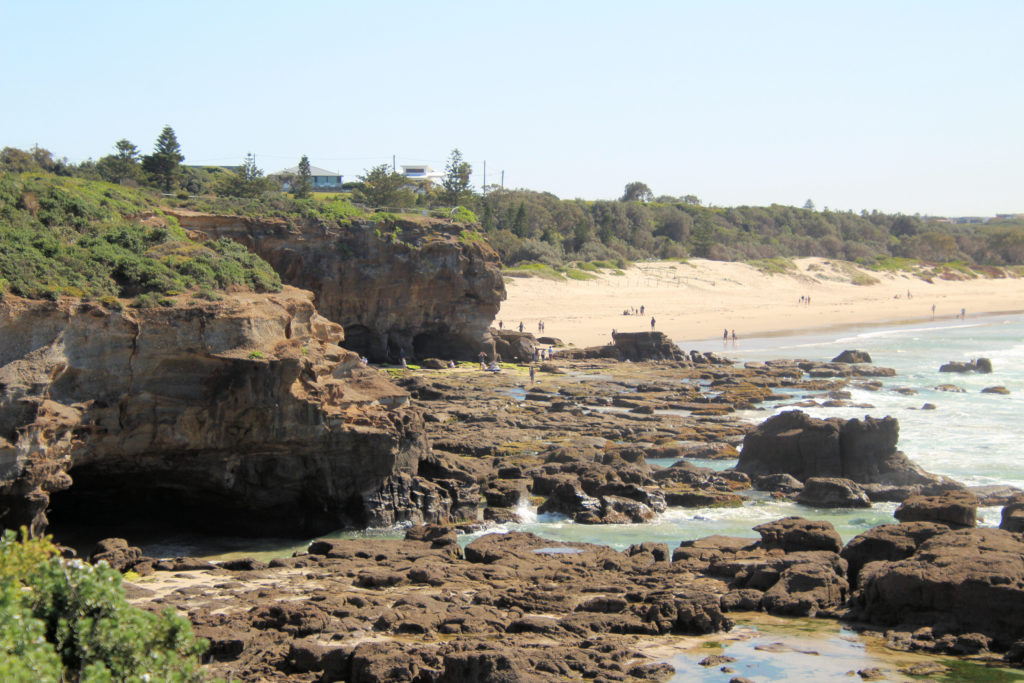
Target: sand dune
x=697 y=300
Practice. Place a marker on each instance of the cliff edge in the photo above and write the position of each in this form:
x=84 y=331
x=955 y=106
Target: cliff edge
x=242 y=415
x=424 y=287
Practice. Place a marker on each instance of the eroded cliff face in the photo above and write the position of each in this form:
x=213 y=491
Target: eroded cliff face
x=242 y=416
x=417 y=286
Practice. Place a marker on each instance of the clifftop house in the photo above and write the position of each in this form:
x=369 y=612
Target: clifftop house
x=322 y=178
x=421 y=172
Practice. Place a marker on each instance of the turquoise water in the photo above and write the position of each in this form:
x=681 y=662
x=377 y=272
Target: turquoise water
x=971 y=436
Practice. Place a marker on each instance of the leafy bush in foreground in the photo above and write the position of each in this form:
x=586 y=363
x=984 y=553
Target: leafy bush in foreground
x=68 y=620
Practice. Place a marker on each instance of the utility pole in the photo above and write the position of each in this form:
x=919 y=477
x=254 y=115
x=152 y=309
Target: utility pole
x=484 y=188
x=503 y=179
x=393 y=164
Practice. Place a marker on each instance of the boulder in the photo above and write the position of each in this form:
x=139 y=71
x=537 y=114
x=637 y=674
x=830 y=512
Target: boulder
x=996 y=390
x=970 y=580
x=1013 y=515
x=980 y=365
x=850 y=356
x=888 y=542
x=568 y=498
x=832 y=492
x=804 y=590
x=864 y=451
x=780 y=483
x=793 y=534
x=639 y=346
x=115 y=552
x=955 y=509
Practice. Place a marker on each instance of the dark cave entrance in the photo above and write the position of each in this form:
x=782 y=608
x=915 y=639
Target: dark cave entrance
x=443 y=345
x=364 y=341
x=152 y=507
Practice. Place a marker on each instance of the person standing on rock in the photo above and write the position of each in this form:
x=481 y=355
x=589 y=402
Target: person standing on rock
x=652 y=322
x=533 y=374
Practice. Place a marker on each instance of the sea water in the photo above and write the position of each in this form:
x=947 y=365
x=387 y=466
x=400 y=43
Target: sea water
x=972 y=436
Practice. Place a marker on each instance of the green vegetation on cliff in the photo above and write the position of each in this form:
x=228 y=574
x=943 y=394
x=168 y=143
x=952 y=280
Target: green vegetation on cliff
x=526 y=227
x=75 y=237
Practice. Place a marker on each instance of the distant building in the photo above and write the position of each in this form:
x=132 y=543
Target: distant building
x=422 y=172
x=322 y=178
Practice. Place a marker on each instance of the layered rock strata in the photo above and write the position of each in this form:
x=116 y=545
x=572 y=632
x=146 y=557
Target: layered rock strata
x=240 y=416
x=418 y=288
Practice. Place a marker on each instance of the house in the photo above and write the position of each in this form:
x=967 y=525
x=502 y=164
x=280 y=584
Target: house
x=322 y=178
x=422 y=172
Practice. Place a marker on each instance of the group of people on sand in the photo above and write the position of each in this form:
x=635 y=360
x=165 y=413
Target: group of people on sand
x=725 y=335
x=805 y=300
x=634 y=311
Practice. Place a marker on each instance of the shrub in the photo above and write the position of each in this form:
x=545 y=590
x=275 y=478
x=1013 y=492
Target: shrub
x=256 y=355
x=68 y=620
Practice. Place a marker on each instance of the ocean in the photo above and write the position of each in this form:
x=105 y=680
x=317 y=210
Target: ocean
x=973 y=437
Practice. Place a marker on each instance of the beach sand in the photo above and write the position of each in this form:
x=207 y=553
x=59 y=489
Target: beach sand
x=697 y=300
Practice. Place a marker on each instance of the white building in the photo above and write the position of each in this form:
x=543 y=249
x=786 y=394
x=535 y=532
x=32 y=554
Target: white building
x=421 y=172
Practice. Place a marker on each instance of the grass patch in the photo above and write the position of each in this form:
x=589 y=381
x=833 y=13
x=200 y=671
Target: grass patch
x=895 y=263
x=541 y=270
x=574 y=274
x=773 y=266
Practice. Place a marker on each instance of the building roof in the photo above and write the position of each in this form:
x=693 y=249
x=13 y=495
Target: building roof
x=313 y=170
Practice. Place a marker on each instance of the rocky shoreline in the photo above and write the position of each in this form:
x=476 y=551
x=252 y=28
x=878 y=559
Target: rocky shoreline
x=515 y=606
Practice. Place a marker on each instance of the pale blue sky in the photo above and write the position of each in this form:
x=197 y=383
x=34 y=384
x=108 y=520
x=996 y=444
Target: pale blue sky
x=896 y=106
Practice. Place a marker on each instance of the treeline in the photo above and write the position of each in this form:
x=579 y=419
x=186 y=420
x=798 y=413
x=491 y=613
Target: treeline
x=527 y=226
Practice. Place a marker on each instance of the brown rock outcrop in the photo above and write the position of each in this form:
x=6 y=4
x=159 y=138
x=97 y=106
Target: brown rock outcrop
x=863 y=451
x=956 y=509
x=970 y=580
x=409 y=285
x=242 y=415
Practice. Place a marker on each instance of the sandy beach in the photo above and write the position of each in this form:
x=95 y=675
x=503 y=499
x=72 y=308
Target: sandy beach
x=697 y=300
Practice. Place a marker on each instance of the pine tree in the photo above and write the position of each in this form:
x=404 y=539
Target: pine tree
x=455 y=184
x=303 y=183
x=163 y=164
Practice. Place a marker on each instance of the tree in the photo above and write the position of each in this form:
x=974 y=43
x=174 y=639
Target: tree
x=455 y=184
x=247 y=181
x=303 y=183
x=637 y=192
x=122 y=166
x=382 y=187
x=809 y=205
x=163 y=164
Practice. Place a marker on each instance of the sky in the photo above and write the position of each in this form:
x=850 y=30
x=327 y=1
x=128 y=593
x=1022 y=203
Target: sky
x=895 y=105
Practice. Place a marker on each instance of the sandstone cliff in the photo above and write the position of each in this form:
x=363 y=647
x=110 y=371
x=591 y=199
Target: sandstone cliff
x=416 y=286
x=241 y=416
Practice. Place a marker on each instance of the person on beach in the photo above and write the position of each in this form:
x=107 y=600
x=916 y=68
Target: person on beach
x=933 y=311
x=641 y=309
x=521 y=328
x=963 y=314
x=734 y=335
x=533 y=374
x=483 y=360
x=725 y=335
x=652 y=322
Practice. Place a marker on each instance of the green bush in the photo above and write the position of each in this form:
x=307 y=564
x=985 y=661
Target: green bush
x=73 y=239
x=68 y=620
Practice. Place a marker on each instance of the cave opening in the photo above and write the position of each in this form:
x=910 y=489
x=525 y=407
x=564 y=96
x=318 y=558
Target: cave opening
x=364 y=341
x=150 y=508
